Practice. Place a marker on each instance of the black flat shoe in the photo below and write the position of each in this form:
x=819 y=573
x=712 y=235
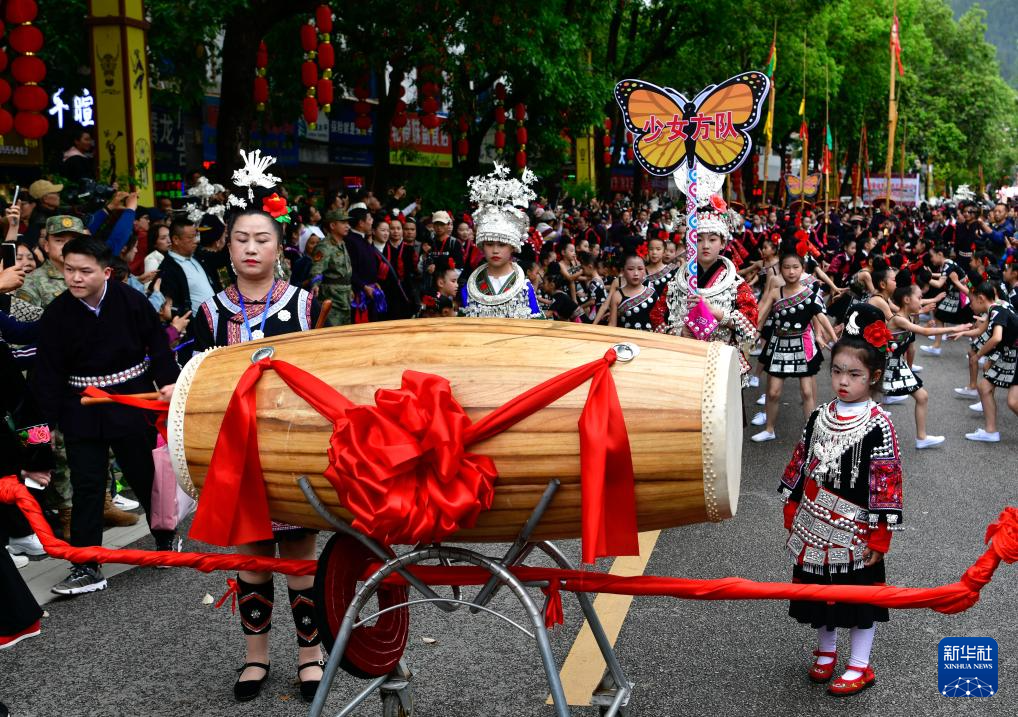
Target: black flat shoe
x=249 y=689
x=310 y=687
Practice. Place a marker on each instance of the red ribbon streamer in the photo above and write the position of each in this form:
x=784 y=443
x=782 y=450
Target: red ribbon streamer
x=149 y=404
x=400 y=466
x=1002 y=537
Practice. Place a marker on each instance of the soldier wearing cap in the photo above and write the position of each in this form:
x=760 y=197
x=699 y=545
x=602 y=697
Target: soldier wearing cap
x=47 y=282
x=331 y=271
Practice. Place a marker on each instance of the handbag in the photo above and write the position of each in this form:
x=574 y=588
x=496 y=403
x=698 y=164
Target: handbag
x=170 y=504
x=700 y=321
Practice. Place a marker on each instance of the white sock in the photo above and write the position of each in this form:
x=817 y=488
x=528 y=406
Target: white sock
x=862 y=643
x=827 y=641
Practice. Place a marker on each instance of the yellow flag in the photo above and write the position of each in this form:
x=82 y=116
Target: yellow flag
x=802 y=106
x=769 y=127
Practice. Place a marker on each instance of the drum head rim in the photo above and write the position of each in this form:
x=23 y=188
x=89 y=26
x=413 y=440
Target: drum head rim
x=721 y=432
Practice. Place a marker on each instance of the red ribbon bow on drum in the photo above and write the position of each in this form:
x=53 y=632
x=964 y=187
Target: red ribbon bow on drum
x=401 y=468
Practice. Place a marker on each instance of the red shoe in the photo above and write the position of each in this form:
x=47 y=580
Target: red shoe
x=843 y=687
x=12 y=640
x=822 y=673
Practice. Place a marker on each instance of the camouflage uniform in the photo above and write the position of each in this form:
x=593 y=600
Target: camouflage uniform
x=332 y=262
x=42 y=286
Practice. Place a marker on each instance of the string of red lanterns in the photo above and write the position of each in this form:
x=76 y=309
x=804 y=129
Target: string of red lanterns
x=606 y=142
x=309 y=73
x=6 y=118
x=399 y=117
x=326 y=57
x=500 y=116
x=28 y=70
x=260 y=90
x=520 y=115
x=430 y=91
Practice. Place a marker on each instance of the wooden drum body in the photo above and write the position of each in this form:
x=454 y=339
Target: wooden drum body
x=681 y=400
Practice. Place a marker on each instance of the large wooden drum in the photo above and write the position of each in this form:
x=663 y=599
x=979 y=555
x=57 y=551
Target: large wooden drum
x=681 y=400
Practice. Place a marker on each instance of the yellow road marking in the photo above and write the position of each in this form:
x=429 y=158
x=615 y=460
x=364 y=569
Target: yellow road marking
x=584 y=664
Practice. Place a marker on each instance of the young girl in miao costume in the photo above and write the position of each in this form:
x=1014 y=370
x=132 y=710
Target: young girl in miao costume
x=792 y=350
x=499 y=288
x=843 y=497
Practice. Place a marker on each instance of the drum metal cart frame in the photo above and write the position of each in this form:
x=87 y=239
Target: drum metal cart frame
x=396 y=689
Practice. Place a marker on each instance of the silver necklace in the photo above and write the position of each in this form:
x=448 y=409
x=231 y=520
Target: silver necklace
x=832 y=438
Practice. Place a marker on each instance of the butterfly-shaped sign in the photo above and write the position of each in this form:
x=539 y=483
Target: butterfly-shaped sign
x=802 y=189
x=712 y=128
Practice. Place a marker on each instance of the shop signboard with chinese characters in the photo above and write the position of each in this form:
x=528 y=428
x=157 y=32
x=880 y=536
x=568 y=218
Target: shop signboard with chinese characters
x=904 y=190
x=168 y=139
x=280 y=142
x=417 y=146
x=347 y=144
x=79 y=113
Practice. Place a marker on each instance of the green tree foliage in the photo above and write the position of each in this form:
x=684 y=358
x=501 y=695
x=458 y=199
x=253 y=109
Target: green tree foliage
x=561 y=59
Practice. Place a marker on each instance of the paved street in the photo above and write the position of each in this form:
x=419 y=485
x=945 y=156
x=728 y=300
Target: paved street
x=148 y=645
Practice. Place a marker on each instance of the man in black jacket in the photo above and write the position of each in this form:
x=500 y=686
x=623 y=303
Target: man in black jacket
x=100 y=333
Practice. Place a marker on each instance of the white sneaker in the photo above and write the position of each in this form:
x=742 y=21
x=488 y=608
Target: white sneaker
x=763 y=436
x=759 y=419
x=28 y=545
x=967 y=392
x=762 y=400
x=977 y=407
x=888 y=400
x=754 y=381
x=20 y=561
x=125 y=503
x=928 y=442
x=981 y=435
x=916 y=368
x=931 y=350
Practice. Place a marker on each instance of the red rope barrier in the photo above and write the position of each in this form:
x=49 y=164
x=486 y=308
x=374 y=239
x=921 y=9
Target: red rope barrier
x=1002 y=537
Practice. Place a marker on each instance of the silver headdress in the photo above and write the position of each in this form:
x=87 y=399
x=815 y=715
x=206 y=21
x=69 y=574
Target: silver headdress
x=711 y=210
x=253 y=173
x=501 y=201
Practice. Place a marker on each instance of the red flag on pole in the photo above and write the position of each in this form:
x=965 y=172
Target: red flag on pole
x=896 y=46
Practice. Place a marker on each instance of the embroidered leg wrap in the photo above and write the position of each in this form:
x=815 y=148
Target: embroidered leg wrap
x=302 y=604
x=255 y=602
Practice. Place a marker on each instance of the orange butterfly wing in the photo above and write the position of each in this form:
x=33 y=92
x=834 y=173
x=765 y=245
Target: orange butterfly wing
x=644 y=104
x=812 y=185
x=793 y=185
x=742 y=96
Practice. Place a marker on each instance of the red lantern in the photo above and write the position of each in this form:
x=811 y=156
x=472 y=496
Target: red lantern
x=400 y=106
x=2 y=28
x=261 y=91
x=310 y=110
x=323 y=18
x=28 y=69
x=21 y=11
x=30 y=98
x=606 y=158
x=30 y=125
x=361 y=108
x=6 y=121
x=607 y=124
x=399 y=120
x=521 y=135
x=326 y=56
x=499 y=139
x=520 y=112
x=464 y=123
x=362 y=122
x=500 y=115
x=462 y=147
x=430 y=121
x=521 y=159
x=429 y=105
x=361 y=92
x=308 y=38
x=25 y=39
x=5 y=91
x=629 y=154
x=429 y=89
x=309 y=73
x=606 y=141
x=262 y=56
x=324 y=92
x=500 y=91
